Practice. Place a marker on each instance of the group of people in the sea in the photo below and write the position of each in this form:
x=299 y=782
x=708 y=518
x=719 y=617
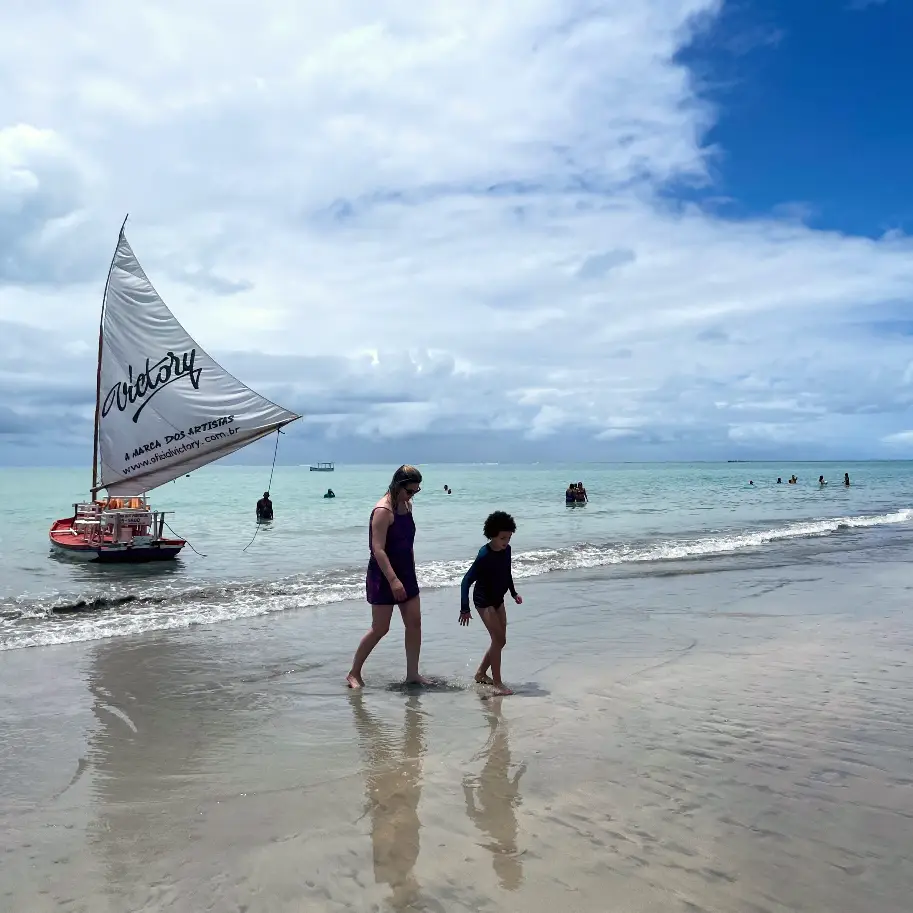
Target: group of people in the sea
x=794 y=480
x=575 y=494
x=391 y=581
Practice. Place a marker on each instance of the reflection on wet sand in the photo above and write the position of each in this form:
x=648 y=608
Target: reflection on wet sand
x=493 y=796
x=393 y=777
x=163 y=719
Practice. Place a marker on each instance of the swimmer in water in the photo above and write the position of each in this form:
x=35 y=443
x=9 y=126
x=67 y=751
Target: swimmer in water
x=821 y=481
x=779 y=481
x=846 y=479
x=491 y=574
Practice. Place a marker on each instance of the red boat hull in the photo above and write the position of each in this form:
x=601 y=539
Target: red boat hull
x=65 y=541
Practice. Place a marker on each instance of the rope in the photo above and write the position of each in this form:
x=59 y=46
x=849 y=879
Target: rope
x=179 y=536
x=269 y=487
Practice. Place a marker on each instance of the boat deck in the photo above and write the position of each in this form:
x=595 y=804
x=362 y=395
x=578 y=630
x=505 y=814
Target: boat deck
x=63 y=534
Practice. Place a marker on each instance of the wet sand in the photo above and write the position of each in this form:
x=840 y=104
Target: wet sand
x=734 y=741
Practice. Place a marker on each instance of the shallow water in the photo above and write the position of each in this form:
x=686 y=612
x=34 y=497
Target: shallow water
x=639 y=518
x=713 y=742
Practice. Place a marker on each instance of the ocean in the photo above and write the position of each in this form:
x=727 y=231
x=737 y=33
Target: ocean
x=711 y=706
x=639 y=518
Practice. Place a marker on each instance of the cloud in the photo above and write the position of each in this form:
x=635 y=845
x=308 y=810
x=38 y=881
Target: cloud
x=597 y=266
x=444 y=227
x=44 y=190
x=904 y=438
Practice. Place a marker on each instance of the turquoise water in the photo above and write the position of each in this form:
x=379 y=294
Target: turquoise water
x=640 y=516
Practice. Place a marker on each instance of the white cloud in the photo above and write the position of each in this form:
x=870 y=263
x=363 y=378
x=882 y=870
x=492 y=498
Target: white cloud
x=901 y=437
x=429 y=219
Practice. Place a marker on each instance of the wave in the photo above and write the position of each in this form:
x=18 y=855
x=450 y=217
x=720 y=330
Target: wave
x=29 y=621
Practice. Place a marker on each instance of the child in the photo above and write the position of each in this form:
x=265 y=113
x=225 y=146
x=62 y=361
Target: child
x=491 y=574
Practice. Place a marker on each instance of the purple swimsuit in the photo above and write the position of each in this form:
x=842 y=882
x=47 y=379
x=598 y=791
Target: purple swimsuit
x=398 y=546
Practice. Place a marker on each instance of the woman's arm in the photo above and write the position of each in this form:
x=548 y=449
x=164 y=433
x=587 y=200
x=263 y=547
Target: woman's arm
x=510 y=576
x=381 y=521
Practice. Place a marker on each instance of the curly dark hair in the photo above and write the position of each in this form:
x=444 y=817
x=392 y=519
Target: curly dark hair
x=498 y=522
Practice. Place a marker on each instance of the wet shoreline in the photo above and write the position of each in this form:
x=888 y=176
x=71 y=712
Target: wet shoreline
x=725 y=741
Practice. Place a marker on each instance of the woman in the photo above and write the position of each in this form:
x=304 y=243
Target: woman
x=391 y=580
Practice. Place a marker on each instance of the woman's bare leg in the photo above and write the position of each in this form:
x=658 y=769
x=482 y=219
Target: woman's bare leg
x=380 y=624
x=412 y=621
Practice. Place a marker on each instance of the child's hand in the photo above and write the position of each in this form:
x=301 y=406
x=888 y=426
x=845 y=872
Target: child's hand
x=518 y=599
x=464 y=618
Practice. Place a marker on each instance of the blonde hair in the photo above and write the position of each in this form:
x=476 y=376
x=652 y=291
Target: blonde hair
x=403 y=476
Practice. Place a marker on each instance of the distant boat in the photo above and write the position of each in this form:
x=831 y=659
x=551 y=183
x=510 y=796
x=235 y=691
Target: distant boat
x=322 y=467
x=200 y=414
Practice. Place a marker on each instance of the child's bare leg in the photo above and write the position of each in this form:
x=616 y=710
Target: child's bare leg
x=496 y=622
x=481 y=675
x=482 y=672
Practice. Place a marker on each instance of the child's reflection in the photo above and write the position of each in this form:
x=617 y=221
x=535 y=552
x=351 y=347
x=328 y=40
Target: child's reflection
x=493 y=796
x=393 y=787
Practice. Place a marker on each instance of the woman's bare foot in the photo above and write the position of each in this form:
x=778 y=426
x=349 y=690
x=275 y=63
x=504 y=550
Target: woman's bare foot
x=483 y=679
x=501 y=688
x=355 y=681
x=419 y=680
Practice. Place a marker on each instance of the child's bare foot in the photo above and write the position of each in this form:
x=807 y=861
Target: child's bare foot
x=354 y=681
x=501 y=688
x=483 y=679
x=419 y=680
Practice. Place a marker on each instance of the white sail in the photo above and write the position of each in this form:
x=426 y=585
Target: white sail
x=164 y=406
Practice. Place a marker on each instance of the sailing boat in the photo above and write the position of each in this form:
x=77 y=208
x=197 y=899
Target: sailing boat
x=163 y=408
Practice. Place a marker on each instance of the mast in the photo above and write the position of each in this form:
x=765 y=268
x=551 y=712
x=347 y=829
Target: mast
x=101 y=338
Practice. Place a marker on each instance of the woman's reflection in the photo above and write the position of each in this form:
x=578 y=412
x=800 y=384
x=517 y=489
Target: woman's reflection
x=393 y=780
x=493 y=796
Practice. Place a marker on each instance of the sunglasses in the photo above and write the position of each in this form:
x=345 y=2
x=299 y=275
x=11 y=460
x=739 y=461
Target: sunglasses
x=413 y=491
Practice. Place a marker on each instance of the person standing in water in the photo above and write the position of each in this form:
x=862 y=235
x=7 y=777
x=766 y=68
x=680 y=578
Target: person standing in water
x=846 y=479
x=264 y=508
x=391 y=580
x=491 y=574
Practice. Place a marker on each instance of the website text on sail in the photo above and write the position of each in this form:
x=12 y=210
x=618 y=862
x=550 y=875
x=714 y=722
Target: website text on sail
x=163 y=408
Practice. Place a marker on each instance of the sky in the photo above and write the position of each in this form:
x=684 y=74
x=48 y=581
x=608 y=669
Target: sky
x=557 y=230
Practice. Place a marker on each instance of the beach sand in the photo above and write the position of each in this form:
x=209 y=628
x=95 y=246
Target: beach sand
x=729 y=740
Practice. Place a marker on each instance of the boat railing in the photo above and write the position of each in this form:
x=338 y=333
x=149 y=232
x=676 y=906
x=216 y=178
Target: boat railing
x=118 y=519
